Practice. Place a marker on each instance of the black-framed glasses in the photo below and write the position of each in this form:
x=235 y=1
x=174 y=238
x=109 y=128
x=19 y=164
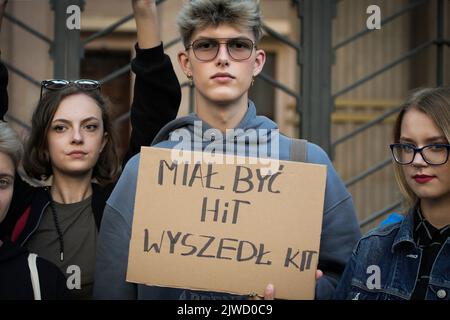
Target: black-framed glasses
x=207 y=49
x=59 y=84
x=434 y=154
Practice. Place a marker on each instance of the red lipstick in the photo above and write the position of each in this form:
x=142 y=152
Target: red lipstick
x=422 y=178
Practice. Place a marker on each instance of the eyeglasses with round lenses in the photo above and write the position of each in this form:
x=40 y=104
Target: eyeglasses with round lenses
x=207 y=49
x=434 y=154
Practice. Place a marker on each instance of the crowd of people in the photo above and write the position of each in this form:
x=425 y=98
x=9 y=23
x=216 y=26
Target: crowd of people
x=83 y=215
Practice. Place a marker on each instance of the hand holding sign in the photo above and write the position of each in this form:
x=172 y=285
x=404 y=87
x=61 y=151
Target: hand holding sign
x=269 y=292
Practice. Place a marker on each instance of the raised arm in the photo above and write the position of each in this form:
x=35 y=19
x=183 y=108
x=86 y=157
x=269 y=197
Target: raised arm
x=146 y=18
x=157 y=92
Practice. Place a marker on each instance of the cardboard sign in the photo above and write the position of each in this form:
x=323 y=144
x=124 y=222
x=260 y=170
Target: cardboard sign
x=225 y=227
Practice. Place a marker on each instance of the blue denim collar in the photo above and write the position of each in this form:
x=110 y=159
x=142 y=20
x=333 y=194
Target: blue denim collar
x=405 y=233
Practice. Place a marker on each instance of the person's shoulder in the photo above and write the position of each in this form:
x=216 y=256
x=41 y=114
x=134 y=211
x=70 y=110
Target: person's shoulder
x=392 y=218
x=124 y=189
x=384 y=230
x=127 y=178
x=132 y=165
x=381 y=236
x=317 y=155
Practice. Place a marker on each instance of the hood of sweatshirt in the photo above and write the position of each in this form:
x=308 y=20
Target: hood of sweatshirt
x=10 y=251
x=340 y=230
x=256 y=136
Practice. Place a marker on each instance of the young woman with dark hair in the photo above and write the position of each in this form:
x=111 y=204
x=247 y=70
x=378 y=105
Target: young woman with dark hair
x=72 y=142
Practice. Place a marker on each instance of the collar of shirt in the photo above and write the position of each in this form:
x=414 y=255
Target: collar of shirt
x=425 y=233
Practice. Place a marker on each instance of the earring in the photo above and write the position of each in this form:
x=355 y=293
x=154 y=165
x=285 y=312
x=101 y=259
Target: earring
x=253 y=81
x=190 y=79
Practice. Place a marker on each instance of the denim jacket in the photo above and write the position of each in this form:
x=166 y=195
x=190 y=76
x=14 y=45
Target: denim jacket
x=385 y=264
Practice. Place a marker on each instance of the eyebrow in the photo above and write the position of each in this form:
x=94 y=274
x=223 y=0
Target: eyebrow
x=241 y=36
x=429 y=140
x=6 y=175
x=82 y=121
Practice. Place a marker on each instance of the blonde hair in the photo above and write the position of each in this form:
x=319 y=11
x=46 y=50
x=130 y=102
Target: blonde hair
x=10 y=143
x=199 y=14
x=435 y=103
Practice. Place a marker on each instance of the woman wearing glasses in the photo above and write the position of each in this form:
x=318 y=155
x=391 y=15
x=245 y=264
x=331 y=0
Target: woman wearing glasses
x=411 y=259
x=73 y=142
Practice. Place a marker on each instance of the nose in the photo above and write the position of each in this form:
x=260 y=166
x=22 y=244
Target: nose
x=77 y=137
x=223 y=55
x=418 y=160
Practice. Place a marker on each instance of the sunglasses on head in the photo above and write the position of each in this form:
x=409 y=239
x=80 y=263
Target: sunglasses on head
x=59 y=84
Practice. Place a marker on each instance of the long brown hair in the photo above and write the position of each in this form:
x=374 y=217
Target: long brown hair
x=37 y=163
x=435 y=103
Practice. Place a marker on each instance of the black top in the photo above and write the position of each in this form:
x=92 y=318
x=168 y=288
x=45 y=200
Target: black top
x=15 y=279
x=430 y=240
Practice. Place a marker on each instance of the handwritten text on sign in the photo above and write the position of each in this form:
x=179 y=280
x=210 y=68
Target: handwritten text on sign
x=226 y=228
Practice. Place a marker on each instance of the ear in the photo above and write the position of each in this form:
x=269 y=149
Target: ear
x=260 y=60
x=184 y=62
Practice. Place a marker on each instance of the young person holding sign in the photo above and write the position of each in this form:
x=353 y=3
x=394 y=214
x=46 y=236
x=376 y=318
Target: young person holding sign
x=410 y=259
x=221 y=58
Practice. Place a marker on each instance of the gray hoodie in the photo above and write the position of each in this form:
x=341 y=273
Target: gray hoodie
x=340 y=230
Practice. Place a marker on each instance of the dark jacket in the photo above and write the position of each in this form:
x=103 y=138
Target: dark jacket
x=15 y=276
x=385 y=265
x=150 y=111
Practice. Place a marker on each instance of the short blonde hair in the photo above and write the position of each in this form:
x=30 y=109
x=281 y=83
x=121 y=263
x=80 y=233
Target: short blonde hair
x=435 y=103
x=199 y=14
x=10 y=143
